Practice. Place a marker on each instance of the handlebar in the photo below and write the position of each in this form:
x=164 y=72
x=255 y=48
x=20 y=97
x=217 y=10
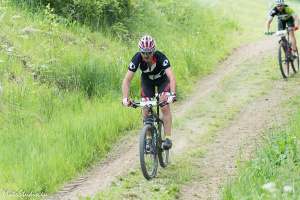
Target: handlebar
x=281 y=32
x=147 y=104
x=150 y=103
x=135 y=104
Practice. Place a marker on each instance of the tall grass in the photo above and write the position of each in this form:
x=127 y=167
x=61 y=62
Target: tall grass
x=274 y=172
x=54 y=134
x=60 y=110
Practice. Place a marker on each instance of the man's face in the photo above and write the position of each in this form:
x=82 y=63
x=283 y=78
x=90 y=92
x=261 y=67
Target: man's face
x=147 y=56
x=280 y=7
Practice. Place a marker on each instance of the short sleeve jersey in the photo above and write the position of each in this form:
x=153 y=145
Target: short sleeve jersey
x=154 y=70
x=285 y=14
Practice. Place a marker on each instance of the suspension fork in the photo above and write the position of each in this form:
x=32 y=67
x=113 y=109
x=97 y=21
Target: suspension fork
x=157 y=108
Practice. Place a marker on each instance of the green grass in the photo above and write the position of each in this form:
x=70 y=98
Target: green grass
x=273 y=172
x=60 y=111
x=58 y=138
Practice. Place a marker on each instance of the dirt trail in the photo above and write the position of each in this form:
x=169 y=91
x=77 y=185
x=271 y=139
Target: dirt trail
x=240 y=137
x=122 y=160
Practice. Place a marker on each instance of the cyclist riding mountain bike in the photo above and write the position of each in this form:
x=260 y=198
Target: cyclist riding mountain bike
x=156 y=72
x=286 y=18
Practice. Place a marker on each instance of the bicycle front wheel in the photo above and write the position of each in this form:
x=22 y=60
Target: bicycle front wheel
x=284 y=62
x=148 y=155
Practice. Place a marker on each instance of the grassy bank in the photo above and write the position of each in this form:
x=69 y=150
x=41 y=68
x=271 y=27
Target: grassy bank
x=273 y=172
x=60 y=110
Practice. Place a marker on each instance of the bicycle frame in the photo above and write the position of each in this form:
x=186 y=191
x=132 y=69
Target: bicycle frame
x=153 y=117
x=285 y=54
x=287 y=58
x=284 y=34
x=153 y=124
x=285 y=39
x=152 y=114
x=149 y=106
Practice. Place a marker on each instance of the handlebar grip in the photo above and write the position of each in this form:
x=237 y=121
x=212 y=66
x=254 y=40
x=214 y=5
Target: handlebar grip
x=269 y=33
x=134 y=104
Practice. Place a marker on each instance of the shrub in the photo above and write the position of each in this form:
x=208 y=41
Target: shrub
x=96 y=13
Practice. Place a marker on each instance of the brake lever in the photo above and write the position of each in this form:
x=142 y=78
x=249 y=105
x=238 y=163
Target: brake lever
x=163 y=103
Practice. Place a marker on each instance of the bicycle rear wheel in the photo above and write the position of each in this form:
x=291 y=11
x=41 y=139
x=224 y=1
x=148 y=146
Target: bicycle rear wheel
x=295 y=63
x=148 y=157
x=163 y=155
x=284 y=62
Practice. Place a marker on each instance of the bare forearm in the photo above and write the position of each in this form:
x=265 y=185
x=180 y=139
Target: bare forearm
x=125 y=88
x=126 y=84
x=269 y=25
x=171 y=77
x=173 y=85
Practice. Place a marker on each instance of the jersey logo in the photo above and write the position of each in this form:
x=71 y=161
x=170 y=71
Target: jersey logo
x=165 y=63
x=150 y=69
x=272 y=12
x=132 y=66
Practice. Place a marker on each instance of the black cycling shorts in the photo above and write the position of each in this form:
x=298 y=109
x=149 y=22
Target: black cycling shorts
x=282 y=24
x=148 y=86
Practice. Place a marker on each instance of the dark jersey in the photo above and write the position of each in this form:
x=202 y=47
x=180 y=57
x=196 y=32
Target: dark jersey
x=152 y=71
x=285 y=14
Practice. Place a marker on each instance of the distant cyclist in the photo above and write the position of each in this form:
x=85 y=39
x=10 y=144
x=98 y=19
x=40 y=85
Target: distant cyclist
x=286 y=18
x=156 y=72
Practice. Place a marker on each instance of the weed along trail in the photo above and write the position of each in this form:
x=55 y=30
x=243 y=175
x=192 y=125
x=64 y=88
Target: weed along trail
x=226 y=111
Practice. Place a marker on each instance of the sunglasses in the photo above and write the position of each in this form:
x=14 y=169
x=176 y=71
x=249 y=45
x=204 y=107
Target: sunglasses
x=147 y=53
x=279 y=6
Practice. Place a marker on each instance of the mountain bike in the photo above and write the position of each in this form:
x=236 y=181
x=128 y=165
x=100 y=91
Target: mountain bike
x=286 y=59
x=152 y=138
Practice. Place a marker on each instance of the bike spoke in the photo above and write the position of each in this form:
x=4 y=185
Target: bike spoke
x=149 y=160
